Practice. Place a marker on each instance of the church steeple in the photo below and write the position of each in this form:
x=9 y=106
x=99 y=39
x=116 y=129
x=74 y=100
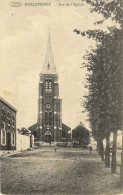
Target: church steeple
x=49 y=66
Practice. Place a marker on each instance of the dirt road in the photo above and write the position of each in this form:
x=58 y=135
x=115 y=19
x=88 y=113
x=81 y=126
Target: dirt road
x=66 y=171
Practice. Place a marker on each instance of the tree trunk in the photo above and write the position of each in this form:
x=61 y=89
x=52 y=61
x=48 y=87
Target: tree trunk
x=114 y=159
x=101 y=149
x=98 y=147
x=107 y=151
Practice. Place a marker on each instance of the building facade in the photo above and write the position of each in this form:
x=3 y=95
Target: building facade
x=7 y=126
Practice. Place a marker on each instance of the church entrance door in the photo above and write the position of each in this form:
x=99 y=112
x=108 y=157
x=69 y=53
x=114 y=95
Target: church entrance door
x=48 y=136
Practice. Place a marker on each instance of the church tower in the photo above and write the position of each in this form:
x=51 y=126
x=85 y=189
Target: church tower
x=49 y=124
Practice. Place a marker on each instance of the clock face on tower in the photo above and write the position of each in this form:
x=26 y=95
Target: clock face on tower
x=48 y=105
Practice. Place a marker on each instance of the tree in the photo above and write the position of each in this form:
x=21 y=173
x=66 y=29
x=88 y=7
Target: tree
x=107 y=112
x=23 y=131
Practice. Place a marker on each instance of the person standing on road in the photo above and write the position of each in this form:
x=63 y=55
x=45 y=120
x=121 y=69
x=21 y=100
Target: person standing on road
x=55 y=148
x=90 y=148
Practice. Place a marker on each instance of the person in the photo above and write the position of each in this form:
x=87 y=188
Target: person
x=90 y=148
x=55 y=148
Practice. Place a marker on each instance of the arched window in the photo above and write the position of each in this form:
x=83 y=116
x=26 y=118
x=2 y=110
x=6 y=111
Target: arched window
x=50 y=118
x=46 y=118
x=49 y=95
x=46 y=95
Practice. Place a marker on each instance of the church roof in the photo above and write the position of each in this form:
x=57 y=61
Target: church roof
x=35 y=126
x=49 y=66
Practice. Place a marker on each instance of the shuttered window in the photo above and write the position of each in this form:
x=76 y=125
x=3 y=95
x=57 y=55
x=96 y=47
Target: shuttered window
x=48 y=84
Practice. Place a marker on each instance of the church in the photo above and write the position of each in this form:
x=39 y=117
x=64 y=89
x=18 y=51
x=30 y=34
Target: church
x=49 y=126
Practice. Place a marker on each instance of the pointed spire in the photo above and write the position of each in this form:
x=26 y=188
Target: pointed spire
x=49 y=66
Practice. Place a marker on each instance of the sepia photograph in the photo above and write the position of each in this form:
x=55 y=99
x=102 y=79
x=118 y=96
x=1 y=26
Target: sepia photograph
x=61 y=97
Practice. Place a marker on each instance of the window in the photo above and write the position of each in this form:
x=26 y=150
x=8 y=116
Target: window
x=50 y=118
x=12 y=138
x=8 y=118
x=49 y=95
x=58 y=121
x=48 y=106
x=46 y=118
x=46 y=95
x=3 y=135
x=13 y=121
x=3 y=113
x=3 y=125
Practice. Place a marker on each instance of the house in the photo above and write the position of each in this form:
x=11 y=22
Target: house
x=7 y=126
x=81 y=135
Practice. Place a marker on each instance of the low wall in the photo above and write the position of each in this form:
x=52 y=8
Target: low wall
x=22 y=142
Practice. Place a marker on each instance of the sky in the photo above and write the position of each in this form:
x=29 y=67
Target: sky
x=23 y=41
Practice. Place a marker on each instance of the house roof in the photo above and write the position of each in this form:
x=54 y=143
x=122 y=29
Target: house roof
x=5 y=102
x=80 y=126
